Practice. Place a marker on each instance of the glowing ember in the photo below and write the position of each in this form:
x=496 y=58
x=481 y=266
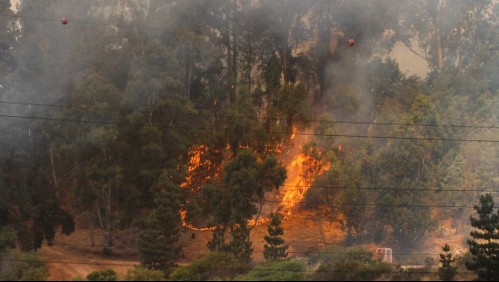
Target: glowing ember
x=183 y=214
x=294 y=133
x=198 y=168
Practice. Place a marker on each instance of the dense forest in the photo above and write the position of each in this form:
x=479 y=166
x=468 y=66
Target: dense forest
x=156 y=116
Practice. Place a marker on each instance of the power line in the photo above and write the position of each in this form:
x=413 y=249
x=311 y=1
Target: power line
x=255 y=131
x=431 y=189
x=385 y=205
x=257 y=118
x=436 y=190
x=262 y=250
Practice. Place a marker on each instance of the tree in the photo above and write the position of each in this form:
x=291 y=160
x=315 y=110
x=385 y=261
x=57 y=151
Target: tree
x=447 y=271
x=158 y=242
x=447 y=32
x=409 y=166
x=7 y=35
x=484 y=247
x=241 y=196
x=276 y=247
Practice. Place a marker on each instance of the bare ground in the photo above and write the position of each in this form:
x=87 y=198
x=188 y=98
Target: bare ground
x=74 y=256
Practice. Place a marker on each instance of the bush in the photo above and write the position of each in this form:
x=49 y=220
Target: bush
x=103 y=275
x=352 y=270
x=144 y=274
x=216 y=265
x=276 y=271
x=19 y=266
x=344 y=264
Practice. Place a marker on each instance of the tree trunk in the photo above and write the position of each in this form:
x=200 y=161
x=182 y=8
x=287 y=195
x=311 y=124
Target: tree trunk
x=438 y=47
x=91 y=223
x=54 y=175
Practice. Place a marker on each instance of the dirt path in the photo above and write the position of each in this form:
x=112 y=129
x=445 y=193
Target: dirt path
x=66 y=262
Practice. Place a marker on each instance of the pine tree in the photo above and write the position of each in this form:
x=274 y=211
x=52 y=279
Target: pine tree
x=447 y=271
x=276 y=247
x=240 y=245
x=158 y=243
x=484 y=247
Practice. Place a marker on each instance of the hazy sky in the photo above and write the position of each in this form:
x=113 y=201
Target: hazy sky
x=14 y=4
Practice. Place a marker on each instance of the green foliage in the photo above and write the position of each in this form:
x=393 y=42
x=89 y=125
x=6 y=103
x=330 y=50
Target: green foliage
x=158 y=243
x=410 y=165
x=275 y=247
x=484 y=245
x=19 y=266
x=103 y=275
x=293 y=270
x=215 y=265
x=447 y=271
x=344 y=264
x=292 y=103
x=143 y=274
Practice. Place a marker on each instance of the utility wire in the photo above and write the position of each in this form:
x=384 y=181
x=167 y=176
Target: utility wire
x=436 y=190
x=256 y=131
x=431 y=189
x=254 y=117
x=261 y=250
x=384 y=205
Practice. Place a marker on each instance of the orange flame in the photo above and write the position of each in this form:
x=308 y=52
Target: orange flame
x=197 y=168
x=302 y=172
x=183 y=215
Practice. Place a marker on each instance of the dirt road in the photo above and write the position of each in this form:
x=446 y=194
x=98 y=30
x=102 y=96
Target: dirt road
x=66 y=262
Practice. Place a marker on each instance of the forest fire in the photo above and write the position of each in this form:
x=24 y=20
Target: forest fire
x=302 y=172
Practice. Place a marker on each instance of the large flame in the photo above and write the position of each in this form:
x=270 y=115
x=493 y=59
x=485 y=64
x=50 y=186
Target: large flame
x=302 y=172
